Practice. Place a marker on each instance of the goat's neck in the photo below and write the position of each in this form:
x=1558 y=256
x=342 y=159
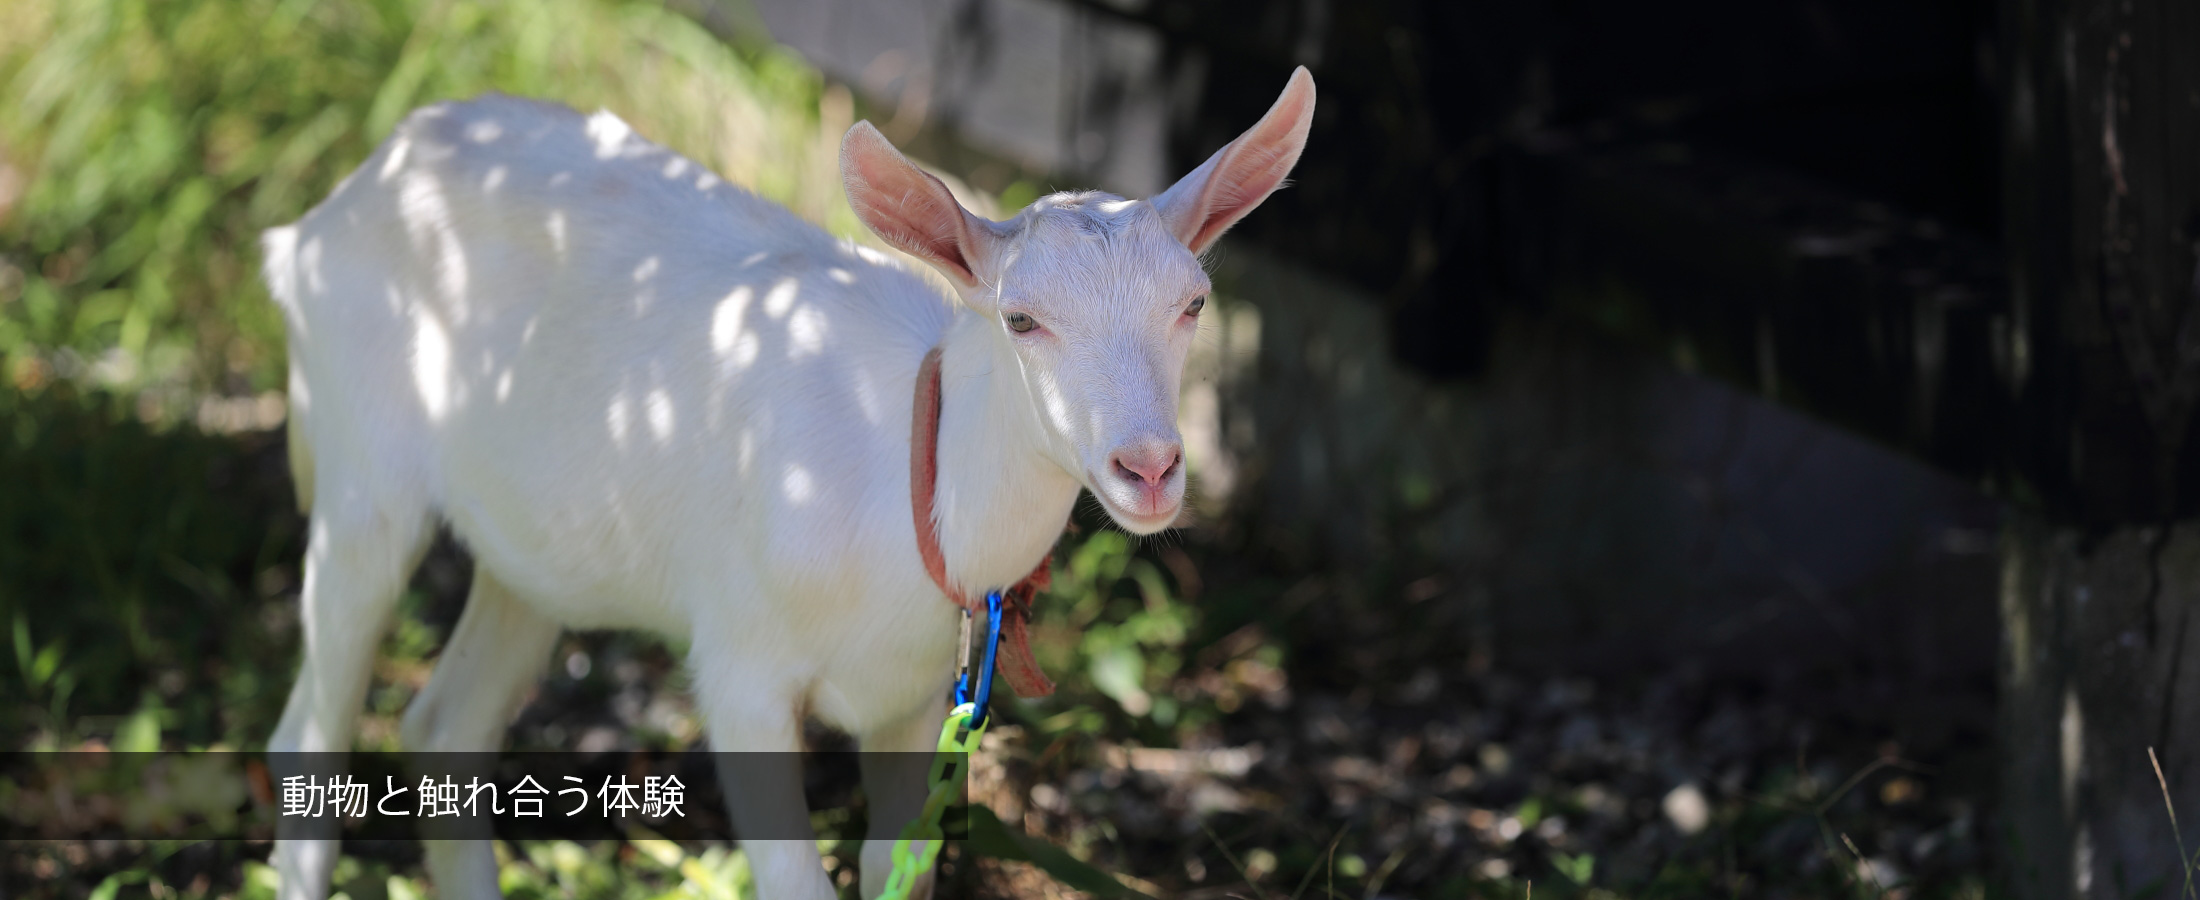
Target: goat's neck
x=1000 y=497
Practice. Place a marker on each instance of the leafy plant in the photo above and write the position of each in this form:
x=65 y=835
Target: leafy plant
x=1117 y=628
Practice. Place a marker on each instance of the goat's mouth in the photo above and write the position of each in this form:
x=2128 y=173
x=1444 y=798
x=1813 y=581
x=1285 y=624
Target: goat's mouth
x=1164 y=509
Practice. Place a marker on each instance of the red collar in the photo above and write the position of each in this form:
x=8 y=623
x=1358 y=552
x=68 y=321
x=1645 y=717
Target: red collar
x=1016 y=663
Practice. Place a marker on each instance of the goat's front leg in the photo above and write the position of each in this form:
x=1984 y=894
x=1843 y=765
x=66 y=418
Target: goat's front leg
x=756 y=739
x=897 y=763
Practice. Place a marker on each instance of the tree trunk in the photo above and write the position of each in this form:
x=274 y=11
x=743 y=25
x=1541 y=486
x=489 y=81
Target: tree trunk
x=2100 y=662
x=2102 y=191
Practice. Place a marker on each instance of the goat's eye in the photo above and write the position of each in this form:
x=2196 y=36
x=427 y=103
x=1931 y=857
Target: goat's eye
x=1019 y=322
x=1198 y=303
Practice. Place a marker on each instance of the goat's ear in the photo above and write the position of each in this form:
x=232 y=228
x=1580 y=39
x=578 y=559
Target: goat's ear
x=908 y=208
x=1203 y=205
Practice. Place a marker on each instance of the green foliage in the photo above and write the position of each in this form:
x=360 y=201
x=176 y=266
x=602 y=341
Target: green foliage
x=136 y=566
x=1112 y=626
x=1578 y=868
x=156 y=140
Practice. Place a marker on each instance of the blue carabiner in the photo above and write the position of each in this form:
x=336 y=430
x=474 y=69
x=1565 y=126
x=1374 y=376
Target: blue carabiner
x=984 y=675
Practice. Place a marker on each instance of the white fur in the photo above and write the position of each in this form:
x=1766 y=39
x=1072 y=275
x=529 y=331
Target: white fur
x=647 y=399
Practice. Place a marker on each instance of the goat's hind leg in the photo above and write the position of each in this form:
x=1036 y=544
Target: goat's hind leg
x=493 y=657
x=355 y=568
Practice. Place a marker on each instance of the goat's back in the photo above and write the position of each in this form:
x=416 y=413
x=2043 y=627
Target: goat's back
x=589 y=353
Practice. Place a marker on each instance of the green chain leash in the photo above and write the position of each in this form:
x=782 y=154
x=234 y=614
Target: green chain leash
x=959 y=737
x=958 y=741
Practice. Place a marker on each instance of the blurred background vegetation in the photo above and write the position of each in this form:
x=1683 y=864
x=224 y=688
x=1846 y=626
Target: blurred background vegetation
x=147 y=144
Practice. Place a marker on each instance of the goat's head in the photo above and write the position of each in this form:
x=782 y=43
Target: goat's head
x=1097 y=297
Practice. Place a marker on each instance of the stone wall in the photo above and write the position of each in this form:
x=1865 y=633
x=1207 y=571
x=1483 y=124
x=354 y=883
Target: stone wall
x=1589 y=506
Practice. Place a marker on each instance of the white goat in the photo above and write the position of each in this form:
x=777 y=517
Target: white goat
x=645 y=398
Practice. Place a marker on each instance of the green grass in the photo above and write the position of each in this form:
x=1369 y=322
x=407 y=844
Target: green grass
x=152 y=141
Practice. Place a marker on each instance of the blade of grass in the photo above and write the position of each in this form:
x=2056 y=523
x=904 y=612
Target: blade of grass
x=1234 y=863
x=1879 y=890
x=1382 y=872
x=1884 y=762
x=2186 y=862
x=1331 y=853
x=990 y=837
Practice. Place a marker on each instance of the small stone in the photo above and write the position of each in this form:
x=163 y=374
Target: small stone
x=1495 y=759
x=1686 y=808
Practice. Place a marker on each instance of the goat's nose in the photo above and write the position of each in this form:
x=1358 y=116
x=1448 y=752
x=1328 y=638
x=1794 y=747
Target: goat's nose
x=1151 y=461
